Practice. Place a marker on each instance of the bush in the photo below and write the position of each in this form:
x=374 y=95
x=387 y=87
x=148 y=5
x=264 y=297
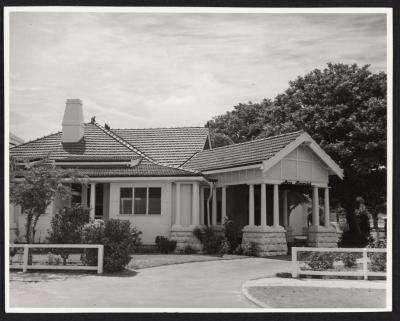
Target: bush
x=321 y=261
x=378 y=260
x=233 y=235
x=66 y=228
x=189 y=250
x=118 y=238
x=165 y=245
x=212 y=243
x=251 y=249
x=349 y=260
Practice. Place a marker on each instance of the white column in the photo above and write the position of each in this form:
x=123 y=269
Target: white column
x=202 y=205
x=326 y=208
x=92 y=200
x=195 y=204
x=285 y=209
x=84 y=194
x=315 y=208
x=263 y=205
x=276 y=205
x=223 y=204
x=178 y=204
x=251 y=204
x=214 y=206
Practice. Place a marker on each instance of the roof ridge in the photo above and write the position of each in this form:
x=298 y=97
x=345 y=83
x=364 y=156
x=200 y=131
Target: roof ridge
x=136 y=150
x=253 y=140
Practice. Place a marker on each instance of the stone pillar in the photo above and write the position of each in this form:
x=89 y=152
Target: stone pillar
x=92 y=200
x=263 y=205
x=276 y=205
x=178 y=204
x=223 y=205
x=321 y=236
x=326 y=208
x=202 y=205
x=251 y=205
x=271 y=240
x=195 y=204
x=214 y=207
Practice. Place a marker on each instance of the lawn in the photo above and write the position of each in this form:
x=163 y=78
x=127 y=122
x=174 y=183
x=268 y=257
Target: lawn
x=318 y=297
x=141 y=261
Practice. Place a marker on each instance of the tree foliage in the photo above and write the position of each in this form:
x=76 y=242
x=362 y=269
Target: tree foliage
x=343 y=107
x=33 y=186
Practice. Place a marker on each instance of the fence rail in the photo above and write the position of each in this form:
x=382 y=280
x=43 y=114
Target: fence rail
x=296 y=271
x=26 y=266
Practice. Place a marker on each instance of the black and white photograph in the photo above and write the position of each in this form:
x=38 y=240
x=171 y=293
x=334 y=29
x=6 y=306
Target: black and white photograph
x=177 y=159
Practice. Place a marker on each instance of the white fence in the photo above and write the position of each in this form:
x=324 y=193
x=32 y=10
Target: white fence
x=296 y=270
x=26 y=266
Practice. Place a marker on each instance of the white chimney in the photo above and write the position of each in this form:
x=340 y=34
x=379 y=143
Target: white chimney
x=72 y=123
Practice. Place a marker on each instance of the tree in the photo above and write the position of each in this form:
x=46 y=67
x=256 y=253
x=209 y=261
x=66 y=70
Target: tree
x=343 y=107
x=33 y=186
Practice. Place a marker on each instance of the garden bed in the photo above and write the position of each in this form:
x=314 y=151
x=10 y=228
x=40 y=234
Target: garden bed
x=141 y=261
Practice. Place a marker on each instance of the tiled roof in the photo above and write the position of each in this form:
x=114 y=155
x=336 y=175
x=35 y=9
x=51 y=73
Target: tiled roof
x=242 y=154
x=172 y=146
x=142 y=170
x=96 y=143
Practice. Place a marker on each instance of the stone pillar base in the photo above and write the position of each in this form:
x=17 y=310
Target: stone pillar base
x=183 y=235
x=271 y=240
x=321 y=236
x=289 y=234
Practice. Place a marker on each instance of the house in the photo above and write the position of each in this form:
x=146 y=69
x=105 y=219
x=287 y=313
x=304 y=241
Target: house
x=167 y=181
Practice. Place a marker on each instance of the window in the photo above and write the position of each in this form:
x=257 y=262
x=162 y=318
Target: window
x=126 y=201
x=154 y=200
x=140 y=200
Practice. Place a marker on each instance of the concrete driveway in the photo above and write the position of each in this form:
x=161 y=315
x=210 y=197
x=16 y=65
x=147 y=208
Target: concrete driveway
x=214 y=284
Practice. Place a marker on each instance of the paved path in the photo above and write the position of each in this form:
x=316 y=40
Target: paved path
x=214 y=284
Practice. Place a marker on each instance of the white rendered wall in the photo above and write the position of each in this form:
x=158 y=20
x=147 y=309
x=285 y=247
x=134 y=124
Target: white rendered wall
x=150 y=225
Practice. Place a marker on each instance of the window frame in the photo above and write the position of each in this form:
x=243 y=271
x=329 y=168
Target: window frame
x=132 y=187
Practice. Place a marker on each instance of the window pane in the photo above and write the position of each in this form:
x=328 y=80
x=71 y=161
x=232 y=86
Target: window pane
x=126 y=192
x=125 y=201
x=126 y=206
x=140 y=200
x=155 y=200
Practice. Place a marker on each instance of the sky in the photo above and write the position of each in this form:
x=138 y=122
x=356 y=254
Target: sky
x=135 y=70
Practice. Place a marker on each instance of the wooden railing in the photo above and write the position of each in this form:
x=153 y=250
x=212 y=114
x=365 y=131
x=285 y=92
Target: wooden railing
x=26 y=266
x=296 y=269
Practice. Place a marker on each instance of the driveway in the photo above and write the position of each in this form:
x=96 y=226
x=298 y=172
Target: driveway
x=214 y=284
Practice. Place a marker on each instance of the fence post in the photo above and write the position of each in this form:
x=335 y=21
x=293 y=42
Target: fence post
x=25 y=258
x=100 y=256
x=365 y=263
x=294 y=262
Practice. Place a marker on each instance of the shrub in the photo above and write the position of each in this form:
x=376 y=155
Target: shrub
x=349 y=260
x=66 y=226
x=211 y=243
x=233 y=235
x=189 y=250
x=118 y=238
x=251 y=249
x=378 y=260
x=321 y=261
x=165 y=245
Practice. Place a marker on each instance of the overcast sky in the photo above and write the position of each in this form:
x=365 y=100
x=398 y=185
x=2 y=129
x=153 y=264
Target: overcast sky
x=136 y=70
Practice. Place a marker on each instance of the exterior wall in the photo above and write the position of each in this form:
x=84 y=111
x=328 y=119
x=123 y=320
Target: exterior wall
x=150 y=225
x=297 y=220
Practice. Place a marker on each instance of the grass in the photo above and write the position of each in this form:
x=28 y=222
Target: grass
x=318 y=297
x=141 y=261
